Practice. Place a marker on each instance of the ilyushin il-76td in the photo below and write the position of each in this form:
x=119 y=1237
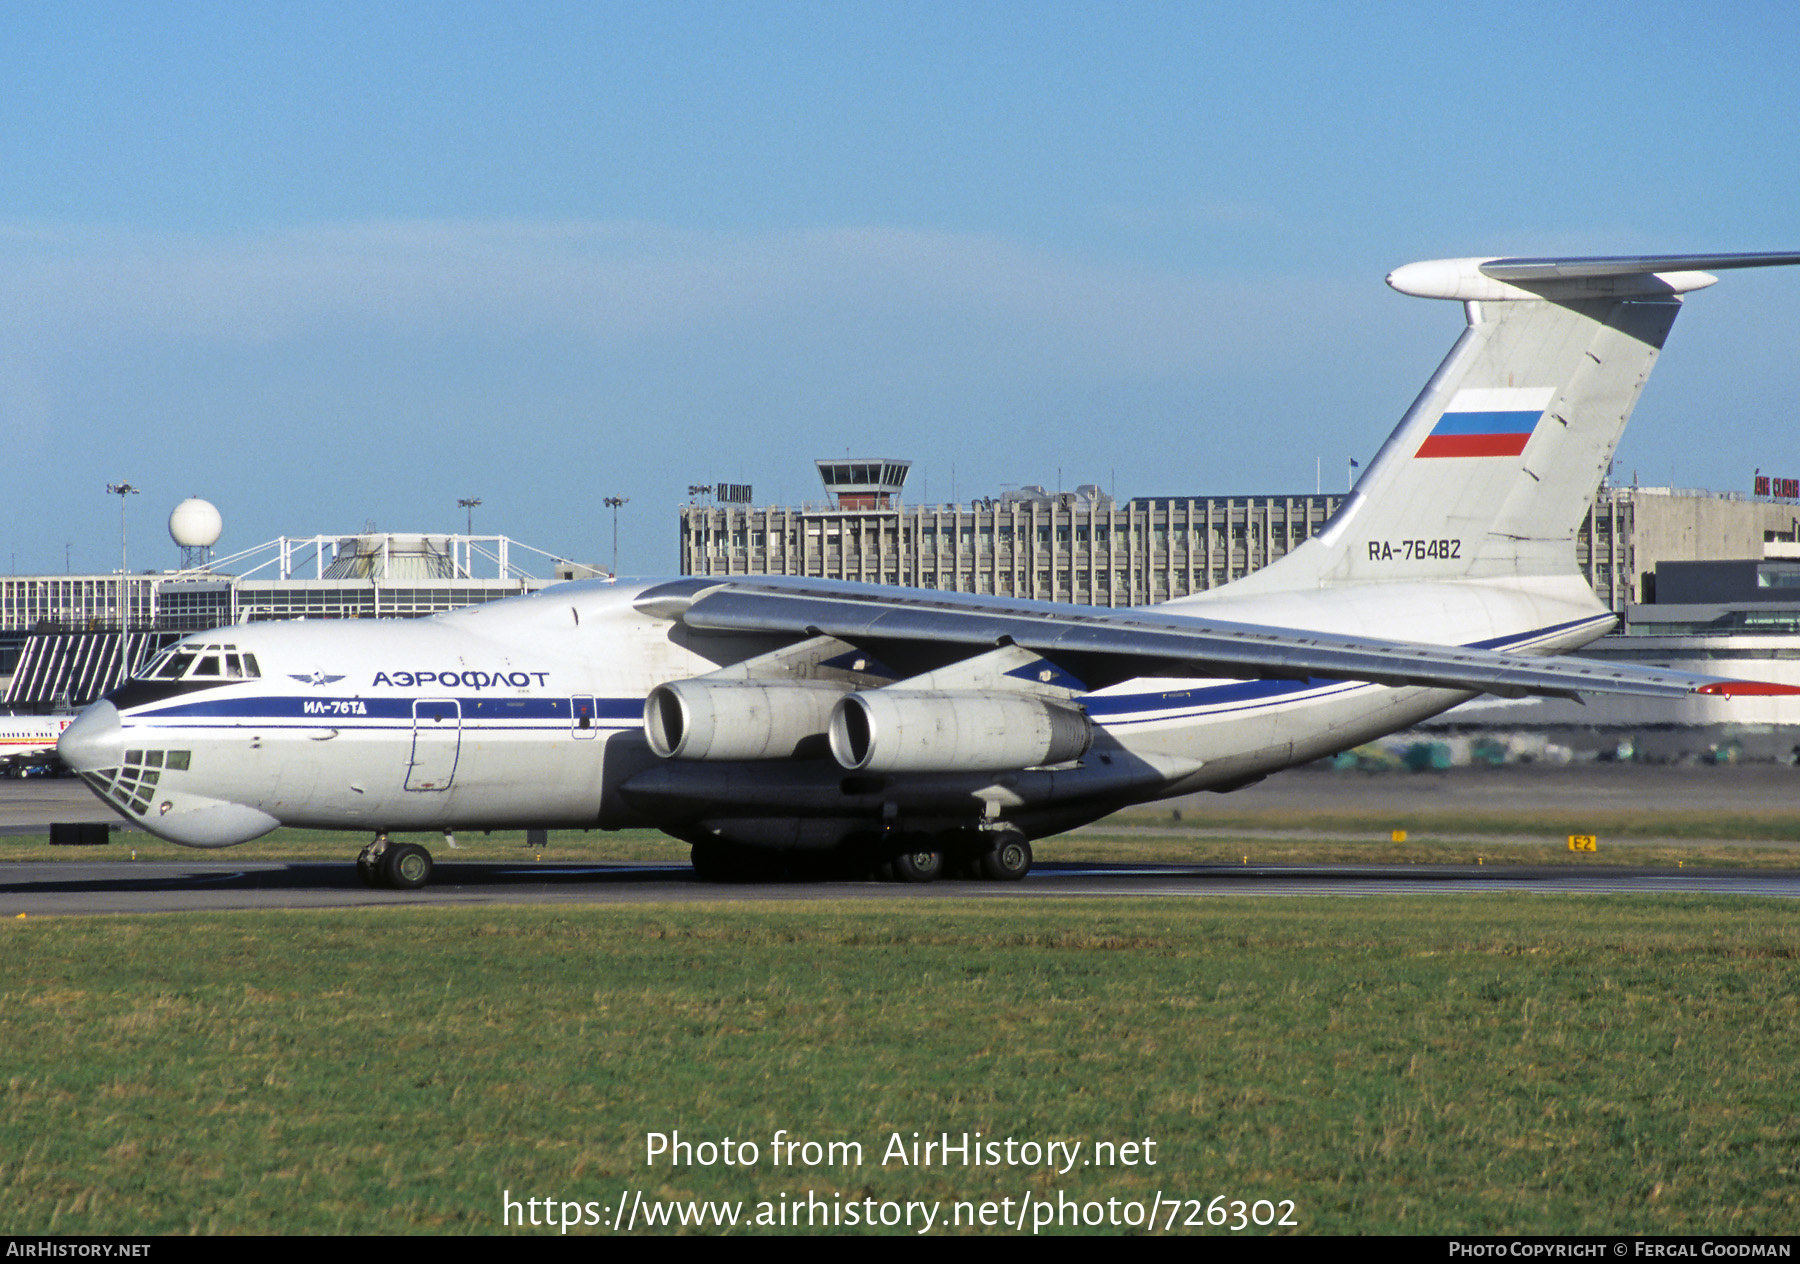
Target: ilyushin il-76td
x=779 y=724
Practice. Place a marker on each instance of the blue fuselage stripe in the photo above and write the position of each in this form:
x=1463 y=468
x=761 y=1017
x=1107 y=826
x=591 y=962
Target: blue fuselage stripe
x=315 y=707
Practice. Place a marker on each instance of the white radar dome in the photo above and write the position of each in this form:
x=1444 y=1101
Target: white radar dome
x=195 y=524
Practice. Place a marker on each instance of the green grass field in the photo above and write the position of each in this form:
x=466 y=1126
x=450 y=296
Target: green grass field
x=1507 y=1064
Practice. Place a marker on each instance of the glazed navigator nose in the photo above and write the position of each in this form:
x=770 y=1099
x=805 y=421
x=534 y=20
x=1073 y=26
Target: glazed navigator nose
x=95 y=741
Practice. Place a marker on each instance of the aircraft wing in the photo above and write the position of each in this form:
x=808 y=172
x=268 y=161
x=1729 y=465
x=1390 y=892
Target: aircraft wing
x=1137 y=642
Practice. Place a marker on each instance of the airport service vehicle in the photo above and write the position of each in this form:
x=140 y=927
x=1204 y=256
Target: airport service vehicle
x=771 y=722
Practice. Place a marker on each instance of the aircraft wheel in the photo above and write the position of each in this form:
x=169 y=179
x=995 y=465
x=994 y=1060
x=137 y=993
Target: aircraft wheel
x=406 y=867
x=1009 y=861
x=917 y=866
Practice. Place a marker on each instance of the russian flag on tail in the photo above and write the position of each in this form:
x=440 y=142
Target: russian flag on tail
x=1487 y=421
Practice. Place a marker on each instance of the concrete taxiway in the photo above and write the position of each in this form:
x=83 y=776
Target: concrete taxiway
x=35 y=889
x=29 y=805
x=214 y=881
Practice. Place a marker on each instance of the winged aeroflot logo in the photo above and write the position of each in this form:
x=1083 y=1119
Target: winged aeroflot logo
x=318 y=678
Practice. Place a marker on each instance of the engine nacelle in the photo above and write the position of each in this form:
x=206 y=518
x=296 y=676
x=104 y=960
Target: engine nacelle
x=739 y=719
x=905 y=730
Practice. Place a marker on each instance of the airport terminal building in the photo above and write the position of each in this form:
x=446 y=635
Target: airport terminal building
x=1081 y=546
x=67 y=639
x=1645 y=550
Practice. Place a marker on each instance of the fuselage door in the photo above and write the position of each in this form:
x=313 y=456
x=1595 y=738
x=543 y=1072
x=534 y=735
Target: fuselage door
x=437 y=740
x=583 y=719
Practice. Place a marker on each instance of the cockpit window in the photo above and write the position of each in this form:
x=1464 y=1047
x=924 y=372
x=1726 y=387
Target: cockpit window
x=172 y=666
x=188 y=661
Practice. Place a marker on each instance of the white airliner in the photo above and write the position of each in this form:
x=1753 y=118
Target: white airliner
x=29 y=741
x=772 y=722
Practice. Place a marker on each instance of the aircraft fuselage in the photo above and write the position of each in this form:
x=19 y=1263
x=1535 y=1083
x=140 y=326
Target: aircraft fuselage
x=529 y=713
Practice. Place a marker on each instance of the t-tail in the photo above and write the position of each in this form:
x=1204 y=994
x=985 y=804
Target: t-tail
x=1489 y=474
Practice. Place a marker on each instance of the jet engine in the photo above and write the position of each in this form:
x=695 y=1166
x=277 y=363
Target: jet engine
x=907 y=730
x=743 y=719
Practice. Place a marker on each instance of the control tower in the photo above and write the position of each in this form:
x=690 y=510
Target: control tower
x=864 y=482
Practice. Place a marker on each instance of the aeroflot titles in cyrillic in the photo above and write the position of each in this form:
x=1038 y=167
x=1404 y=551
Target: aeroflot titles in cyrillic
x=464 y=680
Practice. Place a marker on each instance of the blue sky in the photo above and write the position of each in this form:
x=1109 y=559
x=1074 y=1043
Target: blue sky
x=325 y=263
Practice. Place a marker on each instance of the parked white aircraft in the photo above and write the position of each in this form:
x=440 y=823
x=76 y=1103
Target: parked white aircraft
x=767 y=719
x=28 y=741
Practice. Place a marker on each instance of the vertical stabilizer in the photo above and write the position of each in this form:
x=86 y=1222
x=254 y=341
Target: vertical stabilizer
x=1494 y=466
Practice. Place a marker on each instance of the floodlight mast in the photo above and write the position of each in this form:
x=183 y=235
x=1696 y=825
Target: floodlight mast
x=123 y=489
x=613 y=503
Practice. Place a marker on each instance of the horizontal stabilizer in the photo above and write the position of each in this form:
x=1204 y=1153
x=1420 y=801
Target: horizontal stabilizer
x=1626 y=265
x=1562 y=279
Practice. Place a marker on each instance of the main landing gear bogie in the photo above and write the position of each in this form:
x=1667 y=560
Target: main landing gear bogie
x=396 y=866
x=1009 y=860
x=912 y=857
x=1002 y=856
x=920 y=862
